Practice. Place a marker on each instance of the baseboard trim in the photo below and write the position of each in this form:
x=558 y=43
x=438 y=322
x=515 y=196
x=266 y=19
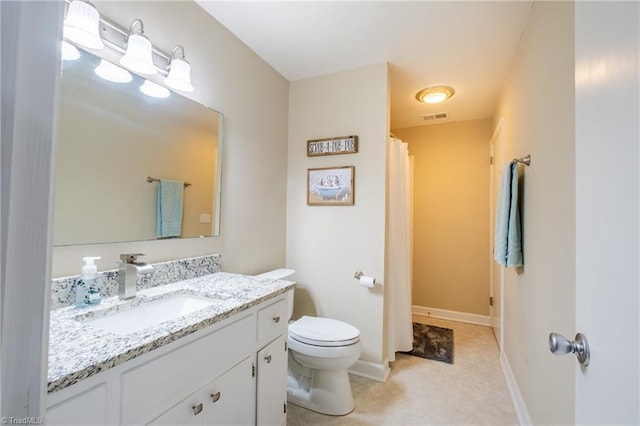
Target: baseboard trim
x=516 y=397
x=452 y=315
x=371 y=370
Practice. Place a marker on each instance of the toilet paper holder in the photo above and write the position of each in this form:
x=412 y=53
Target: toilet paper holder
x=365 y=280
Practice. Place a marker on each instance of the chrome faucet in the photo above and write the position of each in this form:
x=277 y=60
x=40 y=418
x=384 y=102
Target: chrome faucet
x=128 y=273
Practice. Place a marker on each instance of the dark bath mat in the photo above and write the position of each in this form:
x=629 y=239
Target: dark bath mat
x=432 y=342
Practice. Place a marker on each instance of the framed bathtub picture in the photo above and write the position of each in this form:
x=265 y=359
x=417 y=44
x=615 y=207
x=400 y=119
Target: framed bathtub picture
x=331 y=186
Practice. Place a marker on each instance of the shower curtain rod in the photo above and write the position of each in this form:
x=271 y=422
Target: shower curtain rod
x=524 y=160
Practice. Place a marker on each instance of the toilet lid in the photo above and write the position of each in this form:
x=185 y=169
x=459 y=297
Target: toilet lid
x=323 y=332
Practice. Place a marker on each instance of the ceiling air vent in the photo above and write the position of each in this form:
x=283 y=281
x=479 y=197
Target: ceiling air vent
x=436 y=116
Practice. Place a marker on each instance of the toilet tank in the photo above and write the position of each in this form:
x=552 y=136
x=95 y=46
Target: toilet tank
x=278 y=274
x=282 y=274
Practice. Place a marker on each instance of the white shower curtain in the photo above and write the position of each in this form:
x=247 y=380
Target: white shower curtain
x=399 y=250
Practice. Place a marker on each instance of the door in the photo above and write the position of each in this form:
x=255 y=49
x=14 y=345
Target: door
x=230 y=399
x=272 y=384
x=227 y=400
x=187 y=412
x=607 y=213
x=496 y=271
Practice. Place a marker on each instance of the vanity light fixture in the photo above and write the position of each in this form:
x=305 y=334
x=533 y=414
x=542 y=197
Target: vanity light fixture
x=84 y=27
x=154 y=90
x=69 y=51
x=179 y=77
x=435 y=94
x=82 y=24
x=112 y=72
x=138 y=56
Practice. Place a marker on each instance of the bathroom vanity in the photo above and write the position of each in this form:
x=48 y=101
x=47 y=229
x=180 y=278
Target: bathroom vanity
x=222 y=363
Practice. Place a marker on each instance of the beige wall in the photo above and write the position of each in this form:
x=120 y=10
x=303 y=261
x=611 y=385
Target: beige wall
x=229 y=78
x=538 y=110
x=451 y=215
x=326 y=245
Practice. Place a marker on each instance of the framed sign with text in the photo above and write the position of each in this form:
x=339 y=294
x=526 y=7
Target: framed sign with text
x=332 y=146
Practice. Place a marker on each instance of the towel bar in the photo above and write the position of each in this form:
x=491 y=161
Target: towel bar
x=151 y=179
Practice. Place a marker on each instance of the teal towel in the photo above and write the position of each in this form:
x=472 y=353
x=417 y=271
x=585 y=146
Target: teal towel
x=502 y=217
x=514 y=240
x=169 y=220
x=508 y=233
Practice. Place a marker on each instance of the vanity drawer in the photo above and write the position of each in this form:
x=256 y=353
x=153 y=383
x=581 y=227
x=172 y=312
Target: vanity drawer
x=147 y=390
x=272 y=321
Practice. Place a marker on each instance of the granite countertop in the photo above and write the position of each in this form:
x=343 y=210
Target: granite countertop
x=78 y=350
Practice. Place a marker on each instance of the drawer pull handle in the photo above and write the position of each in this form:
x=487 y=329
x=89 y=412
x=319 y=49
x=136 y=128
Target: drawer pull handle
x=215 y=396
x=197 y=409
x=276 y=319
x=268 y=359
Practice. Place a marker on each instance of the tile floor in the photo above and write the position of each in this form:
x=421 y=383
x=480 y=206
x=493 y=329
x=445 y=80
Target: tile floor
x=471 y=391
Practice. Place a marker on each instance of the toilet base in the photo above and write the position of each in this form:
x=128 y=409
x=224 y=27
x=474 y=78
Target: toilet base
x=322 y=391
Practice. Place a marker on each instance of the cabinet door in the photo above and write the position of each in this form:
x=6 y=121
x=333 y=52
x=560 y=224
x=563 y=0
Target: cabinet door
x=188 y=412
x=230 y=399
x=272 y=384
x=227 y=400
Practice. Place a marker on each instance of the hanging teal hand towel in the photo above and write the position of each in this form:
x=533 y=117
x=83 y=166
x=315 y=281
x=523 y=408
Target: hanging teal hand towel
x=514 y=239
x=502 y=217
x=508 y=233
x=169 y=218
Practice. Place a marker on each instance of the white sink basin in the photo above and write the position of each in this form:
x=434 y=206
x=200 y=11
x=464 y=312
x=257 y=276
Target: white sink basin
x=150 y=314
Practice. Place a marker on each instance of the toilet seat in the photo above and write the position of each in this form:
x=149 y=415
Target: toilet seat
x=325 y=332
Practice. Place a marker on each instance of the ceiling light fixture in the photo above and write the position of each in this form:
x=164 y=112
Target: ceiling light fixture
x=82 y=25
x=435 y=94
x=138 y=56
x=179 y=77
x=112 y=72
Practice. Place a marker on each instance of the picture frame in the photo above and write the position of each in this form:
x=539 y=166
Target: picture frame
x=331 y=186
x=332 y=146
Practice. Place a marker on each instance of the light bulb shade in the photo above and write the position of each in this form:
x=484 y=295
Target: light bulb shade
x=179 y=77
x=435 y=94
x=69 y=51
x=112 y=72
x=82 y=25
x=154 y=90
x=434 y=98
x=138 y=57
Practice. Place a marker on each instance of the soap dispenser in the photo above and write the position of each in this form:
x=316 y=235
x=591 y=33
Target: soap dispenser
x=86 y=290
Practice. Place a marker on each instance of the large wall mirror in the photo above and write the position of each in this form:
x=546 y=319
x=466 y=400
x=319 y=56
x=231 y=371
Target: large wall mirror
x=111 y=137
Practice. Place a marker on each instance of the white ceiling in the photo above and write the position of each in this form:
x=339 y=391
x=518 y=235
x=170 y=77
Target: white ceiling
x=467 y=45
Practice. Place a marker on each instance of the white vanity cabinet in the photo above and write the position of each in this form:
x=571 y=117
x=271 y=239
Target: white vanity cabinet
x=233 y=372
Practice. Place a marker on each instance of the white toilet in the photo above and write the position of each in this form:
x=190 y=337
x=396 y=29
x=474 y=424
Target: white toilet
x=321 y=350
